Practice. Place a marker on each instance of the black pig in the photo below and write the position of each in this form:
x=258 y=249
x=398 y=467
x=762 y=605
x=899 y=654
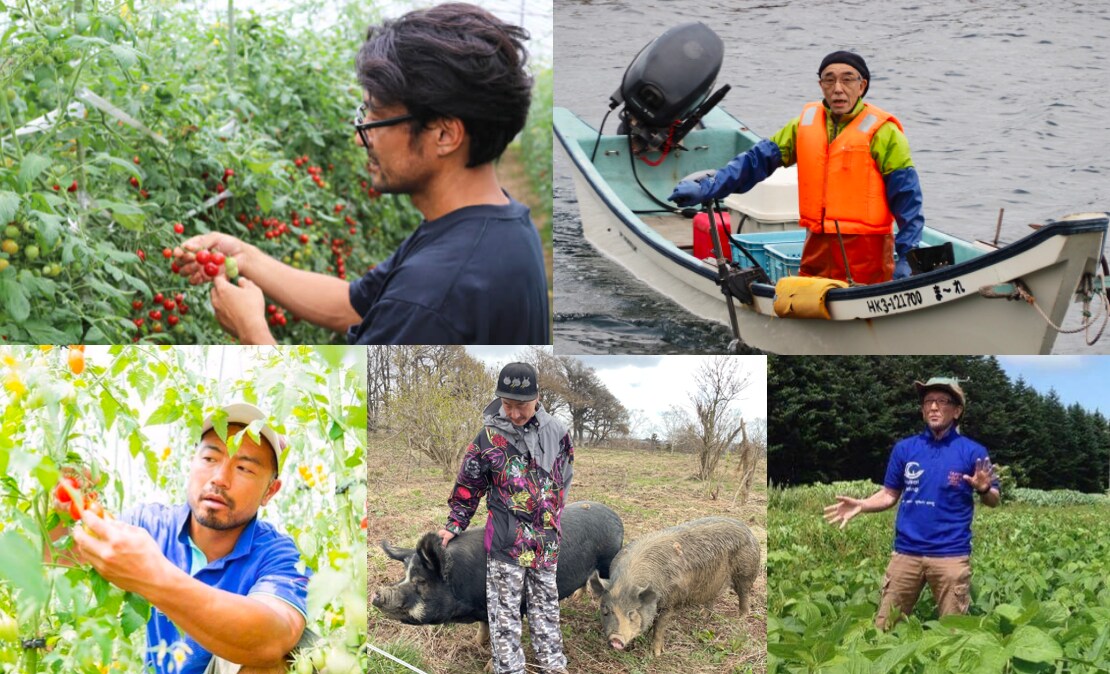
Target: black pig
x=448 y=585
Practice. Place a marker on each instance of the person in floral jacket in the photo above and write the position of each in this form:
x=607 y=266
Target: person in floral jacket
x=522 y=460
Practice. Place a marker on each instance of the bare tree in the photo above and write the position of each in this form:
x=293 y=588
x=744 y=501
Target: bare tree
x=677 y=428
x=638 y=424
x=438 y=393
x=752 y=448
x=718 y=384
x=378 y=379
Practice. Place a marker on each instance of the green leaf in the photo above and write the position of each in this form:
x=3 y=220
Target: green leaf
x=323 y=588
x=333 y=355
x=14 y=298
x=125 y=165
x=41 y=332
x=136 y=612
x=109 y=407
x=265 y=200
x=32 y=166
x=1031 y=644
x=335 y=432
x=21 y=564
x=9 y=204
x=168 y=412
x=894 y=657
x=126 y=56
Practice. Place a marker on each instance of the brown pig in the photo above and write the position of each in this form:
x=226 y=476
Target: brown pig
x=689 y=564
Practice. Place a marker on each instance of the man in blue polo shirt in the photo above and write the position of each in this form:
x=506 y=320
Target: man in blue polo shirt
x=936 y=475
x=228 y=591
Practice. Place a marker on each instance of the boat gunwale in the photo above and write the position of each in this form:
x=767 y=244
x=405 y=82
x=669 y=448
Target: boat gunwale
x=990 y=258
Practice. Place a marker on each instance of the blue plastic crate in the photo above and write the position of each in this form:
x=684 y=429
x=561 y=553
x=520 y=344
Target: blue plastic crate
x=784 y=259
x=756 y=244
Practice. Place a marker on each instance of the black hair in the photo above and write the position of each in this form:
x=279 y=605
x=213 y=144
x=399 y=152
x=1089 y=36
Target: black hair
x=453 y=60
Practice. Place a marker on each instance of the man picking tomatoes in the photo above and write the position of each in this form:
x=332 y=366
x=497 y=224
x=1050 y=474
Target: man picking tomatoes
x=446 y=89
x=221 y=582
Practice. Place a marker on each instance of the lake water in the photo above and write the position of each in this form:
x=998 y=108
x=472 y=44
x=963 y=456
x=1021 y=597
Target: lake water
x=1004 y=105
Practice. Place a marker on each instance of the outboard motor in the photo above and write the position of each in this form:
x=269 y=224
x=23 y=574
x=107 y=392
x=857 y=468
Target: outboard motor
x=666 y=89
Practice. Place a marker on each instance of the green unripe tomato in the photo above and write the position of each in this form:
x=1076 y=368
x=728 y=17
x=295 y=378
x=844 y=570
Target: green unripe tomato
x=12 y=232
x=11 y=95
x=32 y=252
x=9 y=629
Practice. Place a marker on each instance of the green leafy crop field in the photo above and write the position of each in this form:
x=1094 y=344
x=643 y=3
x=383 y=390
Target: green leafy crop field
x=1040 y=592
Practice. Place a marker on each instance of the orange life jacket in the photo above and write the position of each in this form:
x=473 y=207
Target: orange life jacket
x=839 y=181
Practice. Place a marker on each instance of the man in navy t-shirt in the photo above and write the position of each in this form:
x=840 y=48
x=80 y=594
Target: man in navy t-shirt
x=936 y=475
x=445 y=91
x=227 y=591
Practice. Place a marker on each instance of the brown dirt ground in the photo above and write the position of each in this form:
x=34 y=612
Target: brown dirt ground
x=649 y=490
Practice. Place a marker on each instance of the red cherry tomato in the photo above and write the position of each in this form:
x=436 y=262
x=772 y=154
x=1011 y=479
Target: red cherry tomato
x=158 y=297
x=178 y=228
x=218 y=257
x=60 y=492
x=203 y=257
x=212 y=269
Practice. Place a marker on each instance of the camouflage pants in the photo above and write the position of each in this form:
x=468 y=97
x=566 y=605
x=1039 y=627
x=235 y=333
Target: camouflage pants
x=504 y=585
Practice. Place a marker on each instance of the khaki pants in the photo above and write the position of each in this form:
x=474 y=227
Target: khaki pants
x=948 y=577
x=221 y=666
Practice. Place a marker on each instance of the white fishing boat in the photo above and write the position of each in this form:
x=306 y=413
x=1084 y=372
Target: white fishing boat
x=1009 y=299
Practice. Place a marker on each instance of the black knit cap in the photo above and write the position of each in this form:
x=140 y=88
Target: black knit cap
x=517 y=381
x=848 y=58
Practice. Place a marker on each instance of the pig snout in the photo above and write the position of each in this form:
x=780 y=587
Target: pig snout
x=616 y=643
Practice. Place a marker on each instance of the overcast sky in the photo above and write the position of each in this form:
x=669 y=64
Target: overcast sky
x=651 y=384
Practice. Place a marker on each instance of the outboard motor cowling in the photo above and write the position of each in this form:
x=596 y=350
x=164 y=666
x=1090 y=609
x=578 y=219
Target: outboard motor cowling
x=668 y=82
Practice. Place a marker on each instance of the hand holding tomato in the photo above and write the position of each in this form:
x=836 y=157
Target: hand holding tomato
x=126 y=555
x=241 y=310
x=206 y=253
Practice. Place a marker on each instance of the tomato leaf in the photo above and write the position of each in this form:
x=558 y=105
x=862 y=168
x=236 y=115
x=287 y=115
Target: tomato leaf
x=21 y=564
x=335 y=432
x=9 y=204
x=1033 y=645
x=13 y=296
x=136 y=611
x=32 y=166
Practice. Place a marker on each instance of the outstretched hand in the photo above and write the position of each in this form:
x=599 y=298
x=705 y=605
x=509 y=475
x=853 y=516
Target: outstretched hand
x=843 y=510
x=984 y=475
x=445 y=536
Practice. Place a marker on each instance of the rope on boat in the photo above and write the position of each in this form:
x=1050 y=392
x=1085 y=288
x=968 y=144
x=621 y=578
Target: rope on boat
x=1086 y=290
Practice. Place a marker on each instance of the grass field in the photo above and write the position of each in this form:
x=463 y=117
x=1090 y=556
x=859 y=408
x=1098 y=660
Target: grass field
x=1040 y=592
x=648 y=490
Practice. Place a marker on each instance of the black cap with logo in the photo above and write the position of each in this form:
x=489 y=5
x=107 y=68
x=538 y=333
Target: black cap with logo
x=517 y=381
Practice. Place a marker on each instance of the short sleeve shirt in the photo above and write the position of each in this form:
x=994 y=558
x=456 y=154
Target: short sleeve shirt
x=937 y=505
x=264 y=561
x=473 y=276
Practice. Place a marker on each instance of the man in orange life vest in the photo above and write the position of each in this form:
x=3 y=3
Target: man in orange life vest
x=854 y=174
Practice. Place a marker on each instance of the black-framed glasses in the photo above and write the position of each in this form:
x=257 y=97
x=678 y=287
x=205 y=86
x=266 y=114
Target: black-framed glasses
x=362 y=127
x=939 y=402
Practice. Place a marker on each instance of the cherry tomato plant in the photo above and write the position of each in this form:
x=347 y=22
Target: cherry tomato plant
x=120 y=433
x=136 y=130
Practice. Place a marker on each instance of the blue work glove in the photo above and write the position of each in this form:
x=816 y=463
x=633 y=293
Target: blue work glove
x=901 y=268
x=691 y=192
x=739 y=175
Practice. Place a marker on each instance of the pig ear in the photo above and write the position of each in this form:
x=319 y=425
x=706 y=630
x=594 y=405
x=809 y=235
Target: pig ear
x=598 y=586
x=400 y=554
x=428 y=553
x=648 y=596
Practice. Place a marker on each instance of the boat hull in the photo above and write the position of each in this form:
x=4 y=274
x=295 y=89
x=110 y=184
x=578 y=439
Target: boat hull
x=941 y=312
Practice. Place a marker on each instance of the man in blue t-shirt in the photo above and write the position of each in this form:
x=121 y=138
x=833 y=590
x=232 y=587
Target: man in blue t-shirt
x=227 y=591
x=445 y=90
x=935 y=474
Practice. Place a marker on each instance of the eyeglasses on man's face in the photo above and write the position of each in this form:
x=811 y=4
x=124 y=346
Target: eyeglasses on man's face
x=829 y=82
x=362 y=126
x=939 y=402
